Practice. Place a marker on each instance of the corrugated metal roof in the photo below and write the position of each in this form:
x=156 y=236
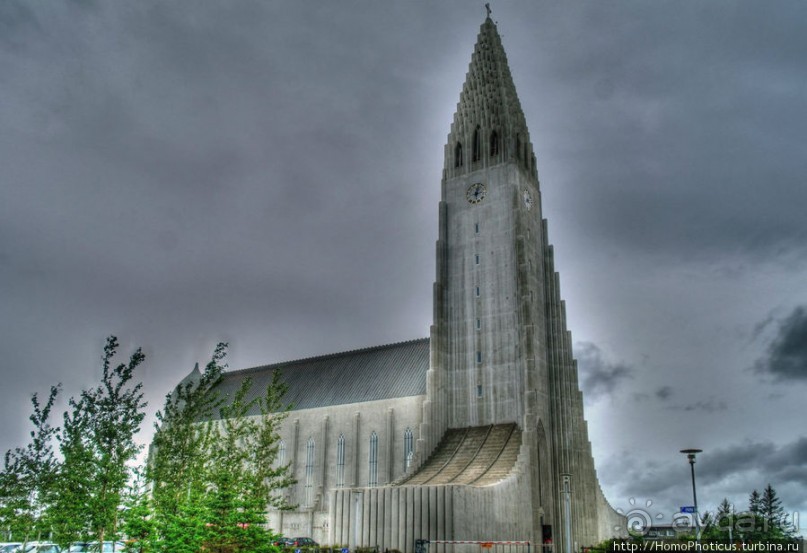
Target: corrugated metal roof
x=381 y=372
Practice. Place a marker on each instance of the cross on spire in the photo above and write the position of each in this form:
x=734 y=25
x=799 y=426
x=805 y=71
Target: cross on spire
x=487 y=7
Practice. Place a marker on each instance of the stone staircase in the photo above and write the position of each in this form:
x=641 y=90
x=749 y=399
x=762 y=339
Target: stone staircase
x=477 y=456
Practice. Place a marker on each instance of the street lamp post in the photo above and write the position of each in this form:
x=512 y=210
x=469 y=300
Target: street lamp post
x=690 y=453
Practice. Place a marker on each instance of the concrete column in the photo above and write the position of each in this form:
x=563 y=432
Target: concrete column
x=395 y=519
x=388 y=521
x=432 y=534
x=336 y=517
x=418 y=522
x=356 y=448
x=409 y=505
x=386 y=478
x=323 y=456
x=373 y=512
x=365 y=531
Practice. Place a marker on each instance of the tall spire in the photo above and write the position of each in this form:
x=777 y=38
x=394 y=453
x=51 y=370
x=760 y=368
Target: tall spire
x=489 y=125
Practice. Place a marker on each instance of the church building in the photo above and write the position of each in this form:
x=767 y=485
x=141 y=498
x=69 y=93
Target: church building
x=477 y=432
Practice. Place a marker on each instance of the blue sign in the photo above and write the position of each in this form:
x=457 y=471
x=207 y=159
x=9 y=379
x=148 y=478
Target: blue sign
x=688 y=509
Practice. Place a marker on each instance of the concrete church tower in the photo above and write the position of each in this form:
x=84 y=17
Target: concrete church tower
x=500 y=349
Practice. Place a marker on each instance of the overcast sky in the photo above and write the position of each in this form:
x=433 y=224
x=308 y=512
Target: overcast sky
x=265 y=173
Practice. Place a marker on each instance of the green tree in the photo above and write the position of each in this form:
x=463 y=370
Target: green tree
x=754 y=503
x=137 y=521
x=27 y=480
x=773 y=515
x=178 y=458
x=212 y=465
x=97 y=442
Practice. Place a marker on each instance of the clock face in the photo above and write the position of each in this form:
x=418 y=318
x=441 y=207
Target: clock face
x=476 y=193
x=527 y=199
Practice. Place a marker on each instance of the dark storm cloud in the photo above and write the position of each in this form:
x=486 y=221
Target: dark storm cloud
x=786 y=359
x=598 y=376
x=664 y=393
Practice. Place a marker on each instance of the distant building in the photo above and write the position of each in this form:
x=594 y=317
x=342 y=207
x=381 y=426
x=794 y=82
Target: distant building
x=463 y=435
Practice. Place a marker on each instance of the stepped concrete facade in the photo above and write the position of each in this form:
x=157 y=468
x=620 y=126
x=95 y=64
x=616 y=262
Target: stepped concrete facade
x=464 y=435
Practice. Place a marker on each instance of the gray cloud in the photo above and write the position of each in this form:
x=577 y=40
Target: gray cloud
x=598 y=376
x=664 y=393
x=710 y=405
x=786 y=358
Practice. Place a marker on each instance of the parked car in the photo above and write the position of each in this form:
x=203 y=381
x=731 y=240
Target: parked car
x=9 y=547
x=304 y=542
x=284 y=542
x=36 y=547
x=109 y=547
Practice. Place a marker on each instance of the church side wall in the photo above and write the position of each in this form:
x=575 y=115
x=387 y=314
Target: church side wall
x=322 y=427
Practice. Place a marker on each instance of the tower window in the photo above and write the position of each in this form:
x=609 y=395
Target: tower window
x=476 y=228
x=477 y=259
x=477 y=291
x=479 y=324
x=458 y=155
x=372 y=479
x=340 y=461
x=479 y=390
x=494 y=144
x=478 y=356
x=476 y=151
x=518 y=146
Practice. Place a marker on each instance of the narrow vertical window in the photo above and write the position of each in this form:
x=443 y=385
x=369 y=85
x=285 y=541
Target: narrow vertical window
x=494 y=144
x=477 y=291
x=479 y=390
x=476 y=228
x=309 y=473
x=478 y=324
x=518 y=146
x=409 y=448
x=281 y=453
x=476 y=150
x=372 y=479
x=477 y=259
x=340 y=461
x=458 y=155
x=478 y=356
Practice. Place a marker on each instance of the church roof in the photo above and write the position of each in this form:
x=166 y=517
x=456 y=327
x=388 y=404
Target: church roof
x=370 y=374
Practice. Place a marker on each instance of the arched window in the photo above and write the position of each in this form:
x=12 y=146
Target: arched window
x=309 y=473
x=372 y=479
x=494 y=144
x=458 y=155
x=340 y=461
x=409 y=448
x=281 y=453
x=476 y=150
